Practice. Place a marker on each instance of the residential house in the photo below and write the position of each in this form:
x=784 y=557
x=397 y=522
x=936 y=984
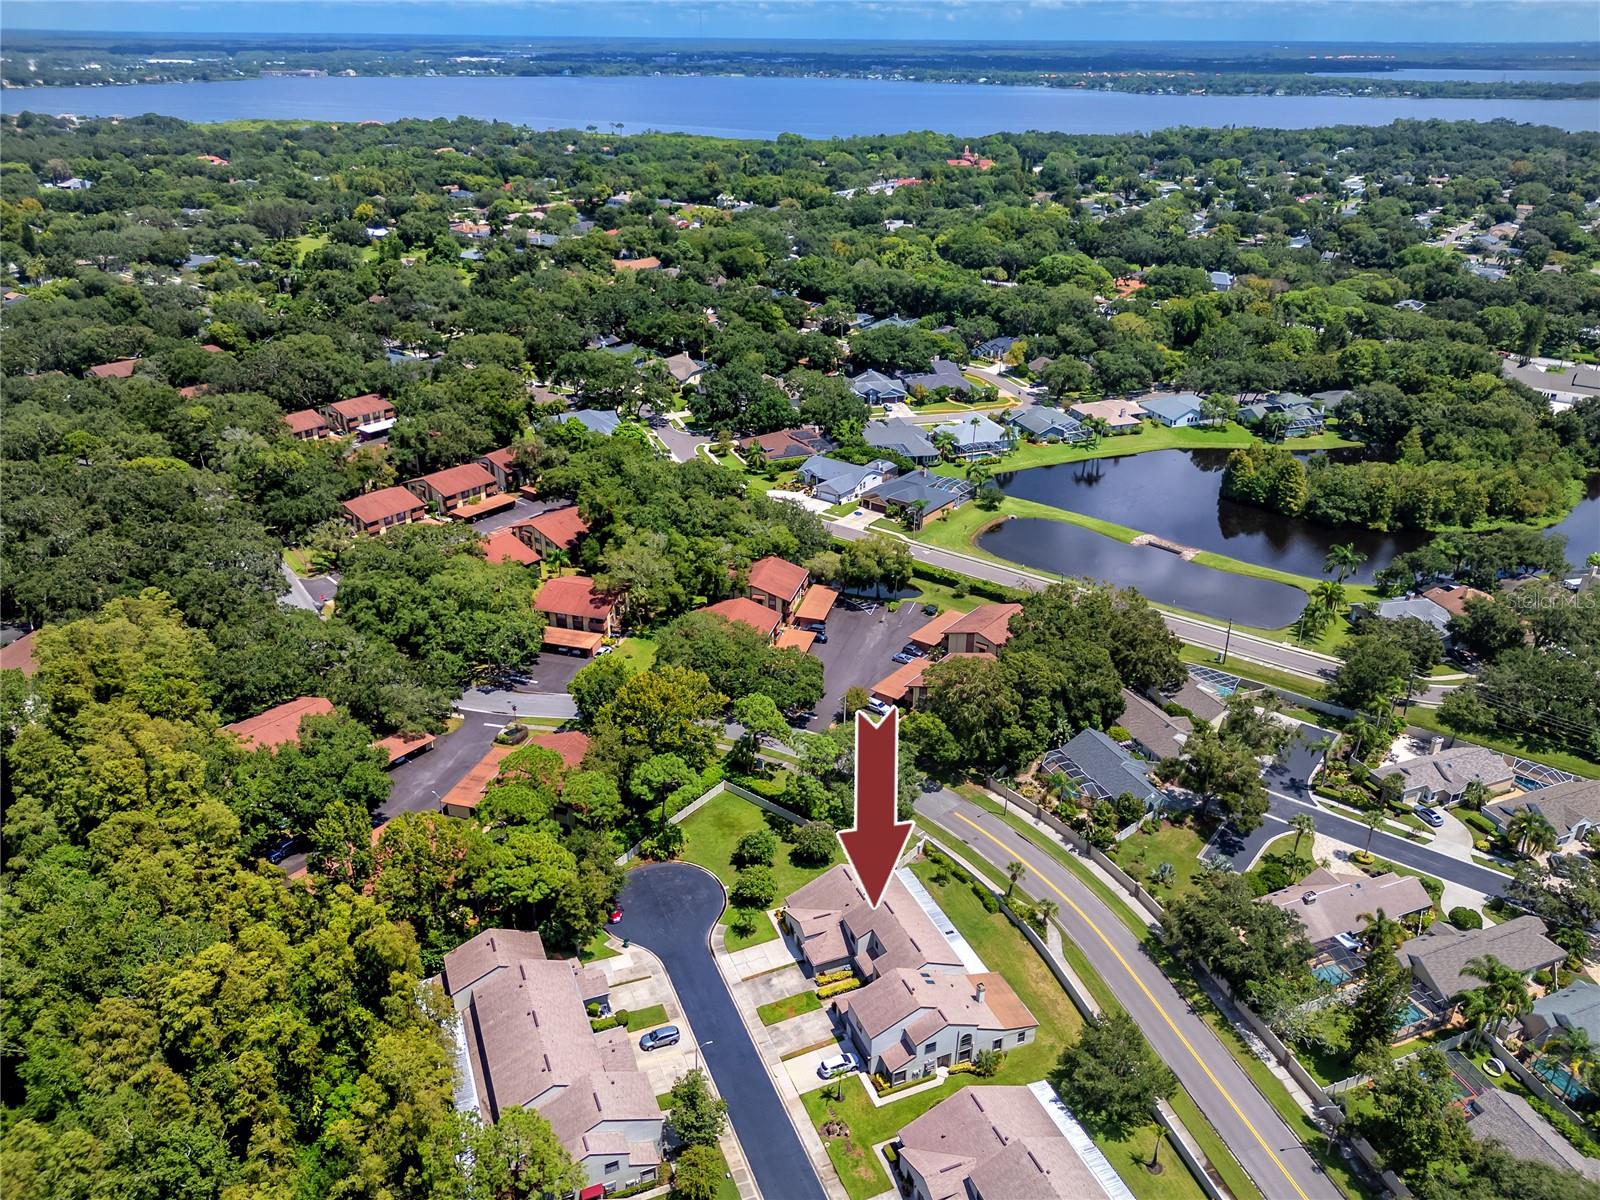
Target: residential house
x=833 y=926
x=840 y=482
x=555 y=531
x=1222 y=281
x=941 y=375
x=1177 y=411
x=601 y=421
x=776 y=583
x=17 y=654
x=747 y=612
x=1505 y=1117
x=1443 y=778
x=1037 y=365
x=975 y=437
x=1563 y=386
x=122 y=368
x=373 y=512
x=877 y=388
x=907 y=1022
x=906 y=685
x=804 y=442
x=1151 y=731
x=1335 y=904
x=525 y=1041
x=1100 y=769
x=1438 y=959
x=1454 y=597
x=995 y=348
x=570 y=602
x=983 y=630
x=1576 y=1006
x=970 y=160
x=491 y=953
x=931 y=635
x=1204 y=706
x=685 y=369
x=918 y=498
x=1040 y=424
x=368 y=415
x=280 y=724
x=1572 y=807
x=1406 y=607
x=1003 y=1143
x=648 y=262
x=903 y=438
x=455 y=488
x=1120 y=416
x=307 y=425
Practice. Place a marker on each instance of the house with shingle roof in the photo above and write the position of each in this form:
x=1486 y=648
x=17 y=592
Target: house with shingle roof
x=840 y=482
x=455 y=487
x=745 y=611
x=903 y=438
x=877 y=388
x=1100 y=769
x=805 y=442
x=941 y=375
x=1443 y=778
x=1572 y=807
x=1332 y=904
x=1041 y=424
x=985 y=629
x=1576 y=1006
x=686 y=369
x=359 y=413
x=1507 y=1118
x=919 y=497
x=1152 y=732
x=557 y=529
x=1178 y=411
x=834 y=926
x=908 y=1022
x=374 y=512
x=975 y=436
x=1120 y=416
x=1438 y=959
x=996 y=1143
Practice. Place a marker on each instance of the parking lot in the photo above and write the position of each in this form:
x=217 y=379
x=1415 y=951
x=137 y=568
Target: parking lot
x=860 y=647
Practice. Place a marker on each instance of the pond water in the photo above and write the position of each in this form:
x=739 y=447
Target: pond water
x=1582 y=526
x=752 y=107
x=1176 y=494
x=1159 y=575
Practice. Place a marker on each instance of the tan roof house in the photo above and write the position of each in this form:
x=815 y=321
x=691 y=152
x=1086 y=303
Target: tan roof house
x=834 y=927
x=1333 y=904
x=1572 y=807
x=1439 y=957
x=1443 y=778
x=910 y=1022
x=1123 y=416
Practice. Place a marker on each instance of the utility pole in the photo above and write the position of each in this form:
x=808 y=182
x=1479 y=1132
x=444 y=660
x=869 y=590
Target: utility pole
x=1227 y=640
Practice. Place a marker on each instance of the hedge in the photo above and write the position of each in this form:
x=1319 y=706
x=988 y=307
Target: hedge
x=617 y=1020
x=835 y=976
x=838 y=989
x=978 y=587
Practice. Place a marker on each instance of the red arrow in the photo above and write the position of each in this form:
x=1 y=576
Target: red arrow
x=874 y=845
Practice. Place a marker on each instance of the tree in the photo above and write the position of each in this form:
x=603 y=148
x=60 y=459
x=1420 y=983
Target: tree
x=695 y=1115
x=815 y=843
x=1381 y=932
x=1379 y=1002
x=697 y=1173
x=1488 y=628
x=1343 y=560
x=1507 y=988
x=754 y=888
x=756 y=849
x=1577 y=1053
x=855 y=699
x=1411 y=1118
x=1375 y=670
x=520 y=1156
x=1304 y=826
x=1014 y=872
x=759 y=721
x=1531 y=831
x=1372 y=818
x=1110 y=1077
x=1223 y=771
x=664 y=710
x=1221 y=925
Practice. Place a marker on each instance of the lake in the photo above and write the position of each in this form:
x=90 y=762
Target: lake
x=1470 y=75
x=1176 y=494
x=1582 y=526
x=749 y=107
x=1065 y=549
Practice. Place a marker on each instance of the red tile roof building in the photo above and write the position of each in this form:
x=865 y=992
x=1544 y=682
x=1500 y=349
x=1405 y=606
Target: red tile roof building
x=558 y=529
x=18 y=655
x=503 y=545
x=776 y=583
x=502 y=464
x=373 y=512
x=306 y=425
x=570 y=602
x=763 y=620
x=571 y=745
x=455 y=487
x=120 y=369
x=280 y=724
x=347 y=415
x=984 y=629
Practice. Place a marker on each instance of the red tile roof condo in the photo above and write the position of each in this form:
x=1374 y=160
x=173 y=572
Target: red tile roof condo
x=120 y=369
x=280 y=724
x=306 y=421
x=453 y=481
x=503 y=545
x=574 y=596
x=560 y=526
x=777 y=577
x=572 y=745
x=374 y=508
x=360 y=408
x=763 y=620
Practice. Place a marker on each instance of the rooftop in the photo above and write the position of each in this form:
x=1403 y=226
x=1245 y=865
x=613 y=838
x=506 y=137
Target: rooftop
x=358 y=406
x=1151 y=727
x=574 y=596
x=1445 y=951
x=1564 y=805
x=1450 y=770
x=1330 y=903
x=816 y=604
x=490 y=951
x=280 y=724
x=1507 y=1118
x=741 y=608
x=1103 y=768
x=370 y=507
x=563 y=526
x=452 y=481
x=992 y=622
x=505 y=546
x=777 y=576
x=898 y=933
x=984 y=1001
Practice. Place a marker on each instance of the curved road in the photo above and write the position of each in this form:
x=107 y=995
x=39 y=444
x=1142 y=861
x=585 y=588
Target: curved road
x=669 y=908
x=1269 y=1152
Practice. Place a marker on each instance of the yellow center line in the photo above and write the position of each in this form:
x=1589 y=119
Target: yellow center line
x=1150 y=996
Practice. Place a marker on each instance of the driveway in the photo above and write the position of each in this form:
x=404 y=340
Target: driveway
x=670 y=909
x=860 y=646
x=1265 y=1147
x=418 y=785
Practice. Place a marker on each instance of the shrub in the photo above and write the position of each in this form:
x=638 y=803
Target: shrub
x=1465 y=918
x=665 y=843
x=838 y=989
x=755 y=888
x=743 y=923
x=814 y=844
x=756 y=849
x=617 y=1020
x=990 y=902
x=988 y=1063
x=834 y=976
x=1118 y=734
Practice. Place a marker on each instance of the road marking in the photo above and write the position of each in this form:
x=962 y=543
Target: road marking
x=1150 y=996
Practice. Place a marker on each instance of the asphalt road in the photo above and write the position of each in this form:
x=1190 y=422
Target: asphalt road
x=860 y=650
x=1272 y=1156
x=670 y=908
x=419 y=784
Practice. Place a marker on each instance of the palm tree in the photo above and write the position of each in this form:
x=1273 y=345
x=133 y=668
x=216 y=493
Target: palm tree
x=1577 y=1053
x=1043 y=912
x=1346 y=560
x=1506 y=985
x=1381 y=931
x=1475 y=794
x=1481 y=1011
x=1329 y=597
x=1304 y=825
x=555 y=558
x=1014 y=871
x=978 y=474
x=1372 y=818
x=1531 y=832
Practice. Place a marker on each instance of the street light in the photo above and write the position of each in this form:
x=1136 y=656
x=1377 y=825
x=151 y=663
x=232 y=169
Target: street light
x=1227 y=639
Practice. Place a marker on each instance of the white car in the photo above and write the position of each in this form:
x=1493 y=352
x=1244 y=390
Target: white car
x=839 y=1064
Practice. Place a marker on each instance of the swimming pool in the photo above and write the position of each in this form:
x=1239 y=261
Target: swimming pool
x=1332 y=974
x=1558 y=1077
x=1415 y=1014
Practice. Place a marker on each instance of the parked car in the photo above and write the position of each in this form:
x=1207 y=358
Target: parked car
x=820 y=631
x=667 y=1035
x=615 y=918
x=280 y=848
x=604 y=650
x=930 y=610
x=1430 y=816
x=914 y=650
x=877 y=706
x=903 y=657
x=839 y=1064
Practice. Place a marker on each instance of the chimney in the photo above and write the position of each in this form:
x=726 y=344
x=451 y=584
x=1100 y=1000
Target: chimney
x=981 y=990
x=1435 y=745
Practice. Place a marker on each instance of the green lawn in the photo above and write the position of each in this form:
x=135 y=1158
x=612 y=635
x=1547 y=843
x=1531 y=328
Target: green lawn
x=1177 y=845
x=596 y=949
x=638 y=652
x=789 y=1006
x=646 y=1018
x=1204 y=656
x=299 y=561
x=710 y=837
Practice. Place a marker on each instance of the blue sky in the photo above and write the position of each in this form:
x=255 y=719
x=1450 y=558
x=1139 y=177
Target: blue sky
x=1490 y=21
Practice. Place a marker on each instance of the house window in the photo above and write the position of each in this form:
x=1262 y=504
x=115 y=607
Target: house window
x=613 y=1167
x=1022 y=1037
x=930 y=1047
x=998 y=1042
